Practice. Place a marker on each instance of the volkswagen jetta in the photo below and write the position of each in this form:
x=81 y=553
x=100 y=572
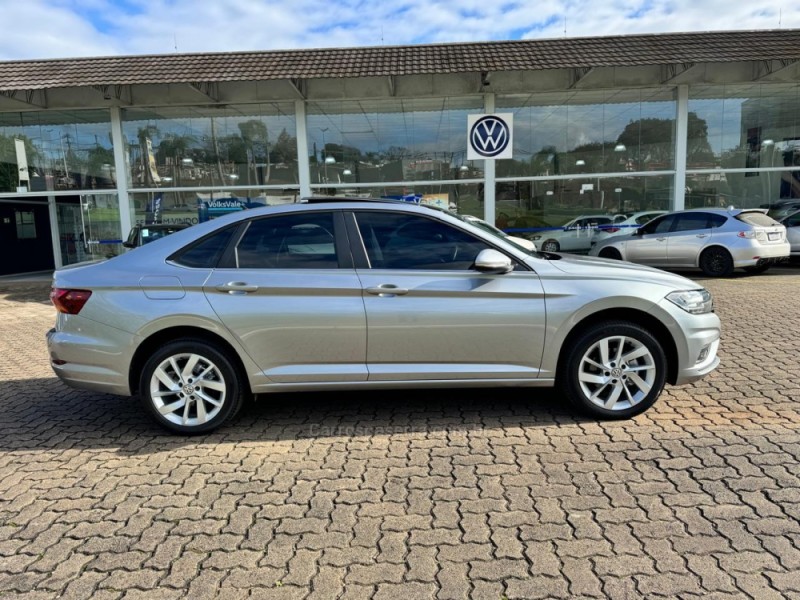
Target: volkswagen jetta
x=347 y=294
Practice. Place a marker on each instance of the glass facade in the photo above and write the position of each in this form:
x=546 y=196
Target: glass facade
x=750 y=136
x=581 y=132
x=366 y=141
x=56 y=151
x=580 y=156
x=240 y=145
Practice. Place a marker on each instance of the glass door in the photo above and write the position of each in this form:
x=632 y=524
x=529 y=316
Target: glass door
x=89 y=227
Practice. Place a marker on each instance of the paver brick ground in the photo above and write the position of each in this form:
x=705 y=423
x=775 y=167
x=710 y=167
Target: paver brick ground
x=426 y=494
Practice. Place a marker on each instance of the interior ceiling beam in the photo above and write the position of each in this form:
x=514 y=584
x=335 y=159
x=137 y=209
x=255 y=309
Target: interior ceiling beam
x=672 y=72
x=120 y=93
x=578 y=76
x=37 y=98
x=766 y=69
x=206 y=88
x=300 y=87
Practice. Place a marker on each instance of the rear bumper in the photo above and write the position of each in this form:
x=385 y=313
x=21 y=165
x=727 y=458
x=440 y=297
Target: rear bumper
x=89 y=363
x=756 y=254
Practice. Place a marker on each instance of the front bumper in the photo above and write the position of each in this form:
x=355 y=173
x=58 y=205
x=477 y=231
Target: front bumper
x=697 y=339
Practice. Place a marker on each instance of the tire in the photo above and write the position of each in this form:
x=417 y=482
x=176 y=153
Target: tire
x=716 y=262
x=757 y=269
x=621 y=391
x=612 y=253
x=550 y=246
x=198 y=405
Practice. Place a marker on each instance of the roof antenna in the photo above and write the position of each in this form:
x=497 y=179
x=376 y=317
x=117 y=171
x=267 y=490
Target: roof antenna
x=565 y=25
x=381 y=35
x=175 y=38
x=780 y=17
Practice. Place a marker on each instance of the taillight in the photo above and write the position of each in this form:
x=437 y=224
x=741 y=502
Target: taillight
x=612 y=229
x=69 y=301
x=747 y=234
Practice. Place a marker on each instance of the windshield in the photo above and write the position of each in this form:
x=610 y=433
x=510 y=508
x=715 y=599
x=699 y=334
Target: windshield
x=488 y=228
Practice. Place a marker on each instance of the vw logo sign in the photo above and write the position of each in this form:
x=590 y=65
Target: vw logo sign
x=489 y=136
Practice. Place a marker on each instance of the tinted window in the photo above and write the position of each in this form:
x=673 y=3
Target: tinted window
x=206 y=253
x=692 y=222
x=792 y=221
x=758 y=219
x=403 y=241
x=661 y=225
x=715 y=221
x=645 y=219
x=300 y=241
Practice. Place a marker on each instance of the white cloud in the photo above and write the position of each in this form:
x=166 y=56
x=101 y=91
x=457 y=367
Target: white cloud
x=58 y=28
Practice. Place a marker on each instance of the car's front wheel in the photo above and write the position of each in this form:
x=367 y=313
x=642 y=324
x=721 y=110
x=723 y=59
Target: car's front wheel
x=191 y=386
x=551 y=246
x=613 y=370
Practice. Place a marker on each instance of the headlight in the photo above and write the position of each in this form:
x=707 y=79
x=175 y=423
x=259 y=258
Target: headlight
x=697 y=302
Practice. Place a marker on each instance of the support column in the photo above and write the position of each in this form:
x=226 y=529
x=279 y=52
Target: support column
x=303 y=166
x=488 y=172
x=55 y=236
x=122 y=174
x=681 y=141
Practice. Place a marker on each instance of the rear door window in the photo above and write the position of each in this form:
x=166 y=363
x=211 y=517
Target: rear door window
x=692 y=222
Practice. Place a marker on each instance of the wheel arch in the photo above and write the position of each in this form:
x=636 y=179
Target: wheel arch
x=632 y=315
x=177 y=333
x=711 y=246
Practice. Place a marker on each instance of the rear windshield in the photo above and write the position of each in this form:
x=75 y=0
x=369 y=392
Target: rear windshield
x=757 y=219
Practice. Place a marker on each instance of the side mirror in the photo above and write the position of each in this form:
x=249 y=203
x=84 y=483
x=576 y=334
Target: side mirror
x=492 y=261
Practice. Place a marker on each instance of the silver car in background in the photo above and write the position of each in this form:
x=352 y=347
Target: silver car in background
x=715 y=240
x=792 y=224
x=626 y=226
x=358 y=294
x=573 y=236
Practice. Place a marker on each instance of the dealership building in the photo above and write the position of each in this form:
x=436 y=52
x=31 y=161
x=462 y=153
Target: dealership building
x=608 y=125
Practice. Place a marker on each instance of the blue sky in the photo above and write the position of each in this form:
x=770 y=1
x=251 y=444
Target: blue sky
x=61 y=28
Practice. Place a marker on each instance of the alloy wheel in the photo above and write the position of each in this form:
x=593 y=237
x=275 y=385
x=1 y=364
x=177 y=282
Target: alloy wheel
x=617 y=372
x=188 y=389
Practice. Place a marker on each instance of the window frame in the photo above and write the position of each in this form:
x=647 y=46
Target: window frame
x=361 y=257
x=341 y=242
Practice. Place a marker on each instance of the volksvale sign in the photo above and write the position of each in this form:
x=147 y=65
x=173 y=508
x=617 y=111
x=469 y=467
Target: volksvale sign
x=490 y=136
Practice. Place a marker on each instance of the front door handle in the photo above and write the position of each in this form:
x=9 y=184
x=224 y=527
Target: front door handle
x=702 y=235
x=660 y=239
x=237 y=287
x=386 y=290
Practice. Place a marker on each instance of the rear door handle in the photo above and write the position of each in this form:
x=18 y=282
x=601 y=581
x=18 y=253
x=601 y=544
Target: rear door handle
x=660 y=239
x=386 y=290
x=702 y=235
x=237 y=287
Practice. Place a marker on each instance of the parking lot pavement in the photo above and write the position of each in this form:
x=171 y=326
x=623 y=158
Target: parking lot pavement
x=446 y=494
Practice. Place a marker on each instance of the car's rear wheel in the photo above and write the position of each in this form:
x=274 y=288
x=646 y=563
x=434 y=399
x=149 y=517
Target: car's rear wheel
x=191 y=386
x=610 y=253
x=757 y=269
x=716 y=262
x=614 y=370
x=550 y=246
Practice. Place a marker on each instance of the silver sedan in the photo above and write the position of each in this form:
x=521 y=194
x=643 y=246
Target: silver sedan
x=715 y=240
x=331 y=295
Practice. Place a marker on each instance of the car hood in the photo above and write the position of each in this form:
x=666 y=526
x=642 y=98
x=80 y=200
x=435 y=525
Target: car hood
x=591 y=267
